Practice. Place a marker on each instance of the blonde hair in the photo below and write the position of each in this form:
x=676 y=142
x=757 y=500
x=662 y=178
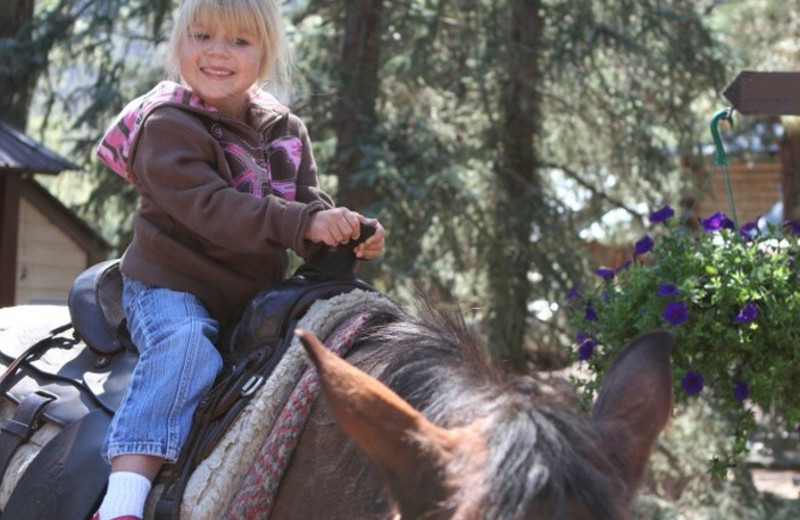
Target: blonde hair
x=260 y=17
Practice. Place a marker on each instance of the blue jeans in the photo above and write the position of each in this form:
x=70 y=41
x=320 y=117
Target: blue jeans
x=178 y=363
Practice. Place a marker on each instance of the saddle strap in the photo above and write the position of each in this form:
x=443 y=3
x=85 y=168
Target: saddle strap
x=38 y=344
x=214 y=415
x=17 y=430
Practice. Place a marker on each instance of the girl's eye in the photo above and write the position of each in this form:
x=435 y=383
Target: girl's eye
x=200 y=36
x=241 y=42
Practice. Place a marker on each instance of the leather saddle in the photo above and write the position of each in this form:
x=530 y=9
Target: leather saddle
x=76 y=375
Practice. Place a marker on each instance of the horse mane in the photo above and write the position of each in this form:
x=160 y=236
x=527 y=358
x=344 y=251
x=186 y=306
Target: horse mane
x=539 y=451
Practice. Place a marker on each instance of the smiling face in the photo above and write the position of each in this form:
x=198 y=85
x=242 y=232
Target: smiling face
x=220 y=63
x=222 y=48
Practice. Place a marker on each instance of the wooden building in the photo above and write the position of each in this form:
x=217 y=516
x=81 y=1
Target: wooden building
x=756 y=188
x=43 y=244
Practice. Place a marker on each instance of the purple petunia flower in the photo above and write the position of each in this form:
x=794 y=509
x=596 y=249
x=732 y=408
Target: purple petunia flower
x=692 y=382
x=644 y=245
x=741 y=391
x=590 y=314
x=667 y=289
x=749 y=230
x=624 y=267
x=605 y=273
x=586 y=349
x=747 y=314
x=675 y=313
x=662 y=215
x=717 y=221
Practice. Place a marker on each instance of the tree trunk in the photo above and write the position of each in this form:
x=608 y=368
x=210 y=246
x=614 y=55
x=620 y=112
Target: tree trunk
x=356 y=119
x=16 y=82
x=519 y=191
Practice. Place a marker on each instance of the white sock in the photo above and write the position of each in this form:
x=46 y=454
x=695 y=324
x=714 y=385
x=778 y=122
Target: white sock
x=126 y=495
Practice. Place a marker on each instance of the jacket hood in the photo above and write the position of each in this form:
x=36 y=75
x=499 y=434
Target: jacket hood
x=116 y=145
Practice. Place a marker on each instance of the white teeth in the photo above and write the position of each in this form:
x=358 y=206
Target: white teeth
x=216 y=72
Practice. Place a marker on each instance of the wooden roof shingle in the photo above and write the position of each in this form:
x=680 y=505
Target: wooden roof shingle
x=21 y=154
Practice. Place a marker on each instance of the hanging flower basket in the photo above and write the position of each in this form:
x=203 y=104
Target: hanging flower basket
x=732 y=299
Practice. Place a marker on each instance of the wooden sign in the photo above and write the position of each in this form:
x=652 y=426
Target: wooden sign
x=765 y=93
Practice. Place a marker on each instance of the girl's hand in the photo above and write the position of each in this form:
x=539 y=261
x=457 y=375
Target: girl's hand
x=334 y=226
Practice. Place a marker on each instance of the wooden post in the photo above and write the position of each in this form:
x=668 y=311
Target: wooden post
x=9 y=231
x=790 y=168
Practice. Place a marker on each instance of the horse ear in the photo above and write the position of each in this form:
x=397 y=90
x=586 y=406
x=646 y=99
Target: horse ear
x=635 y=402
x=411 y=450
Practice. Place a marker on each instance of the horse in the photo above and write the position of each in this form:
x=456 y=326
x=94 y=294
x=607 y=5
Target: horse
x=418 y=423
x=415 y=421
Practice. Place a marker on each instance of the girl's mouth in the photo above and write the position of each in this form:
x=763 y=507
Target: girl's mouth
x=216 y=72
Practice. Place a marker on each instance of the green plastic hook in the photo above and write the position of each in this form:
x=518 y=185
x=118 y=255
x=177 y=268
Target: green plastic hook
x=722 y=158
x=726 y=114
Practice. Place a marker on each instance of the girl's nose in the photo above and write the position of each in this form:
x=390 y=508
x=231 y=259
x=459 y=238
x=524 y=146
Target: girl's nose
x=217 y=46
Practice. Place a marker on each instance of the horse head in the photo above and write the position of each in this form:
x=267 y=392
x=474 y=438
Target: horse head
x=436 y=472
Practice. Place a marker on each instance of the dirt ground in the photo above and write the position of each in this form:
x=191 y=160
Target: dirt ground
x=781 y=483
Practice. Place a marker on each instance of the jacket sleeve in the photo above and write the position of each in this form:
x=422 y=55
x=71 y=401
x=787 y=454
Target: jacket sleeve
x=308 y=188
x=174 y=168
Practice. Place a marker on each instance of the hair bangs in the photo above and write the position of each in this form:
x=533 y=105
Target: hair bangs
x=232 y=16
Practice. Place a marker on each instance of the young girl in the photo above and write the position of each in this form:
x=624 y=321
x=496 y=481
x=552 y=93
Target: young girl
x=227 y=183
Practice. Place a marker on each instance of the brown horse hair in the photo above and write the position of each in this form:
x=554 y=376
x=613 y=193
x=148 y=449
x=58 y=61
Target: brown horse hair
x=541 y=454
